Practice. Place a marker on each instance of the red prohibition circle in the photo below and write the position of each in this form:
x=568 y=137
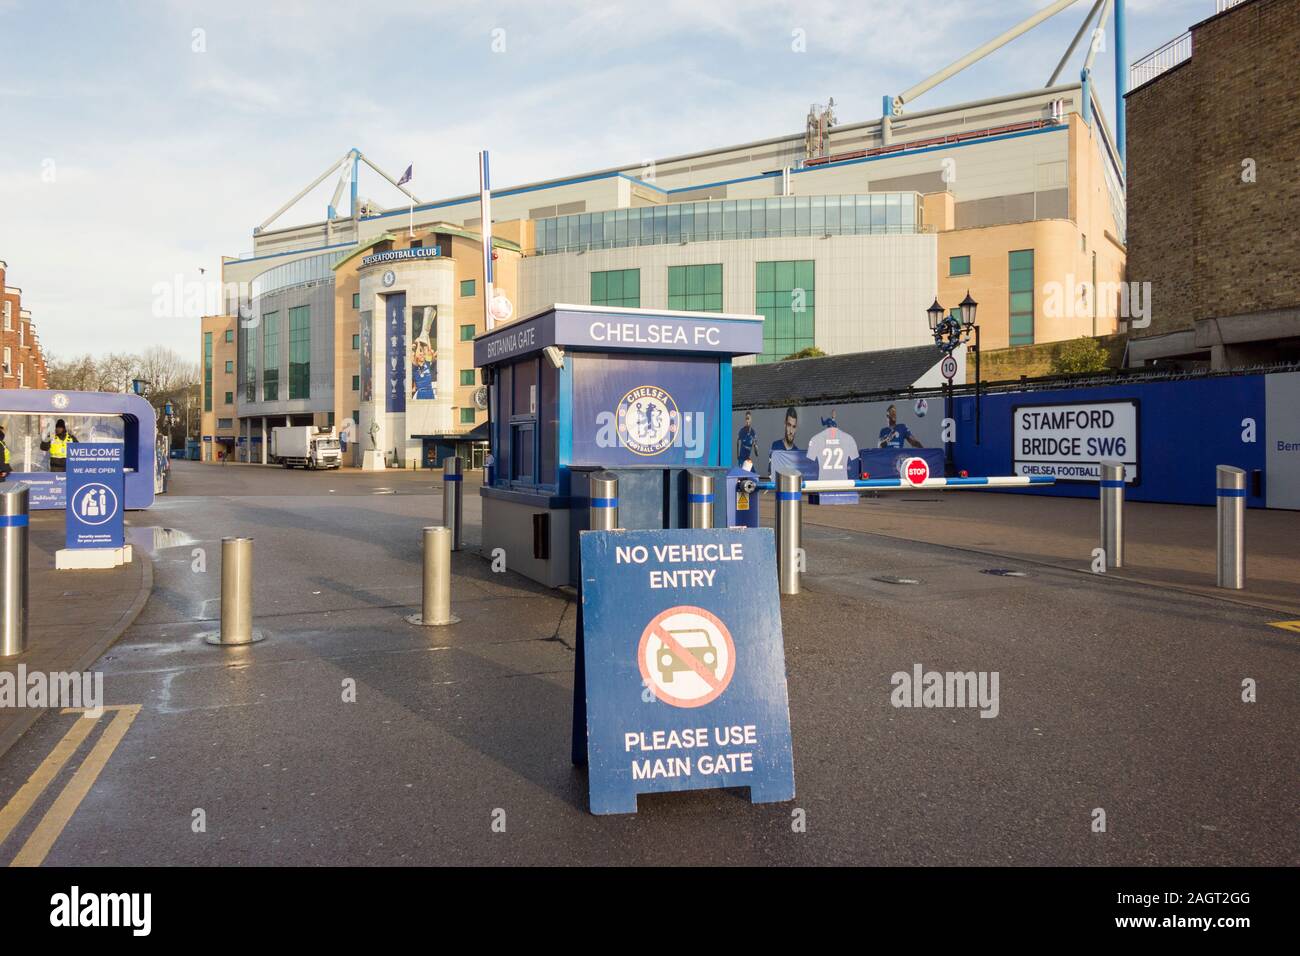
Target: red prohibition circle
x=722 y=682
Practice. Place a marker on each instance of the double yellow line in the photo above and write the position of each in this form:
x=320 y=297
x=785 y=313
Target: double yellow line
x=51 y=825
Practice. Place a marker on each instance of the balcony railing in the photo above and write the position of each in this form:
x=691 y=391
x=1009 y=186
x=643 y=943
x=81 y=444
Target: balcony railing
x=1159 y=60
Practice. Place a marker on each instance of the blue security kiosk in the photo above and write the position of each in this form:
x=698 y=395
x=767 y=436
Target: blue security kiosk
x=29 y=416
x=578 y=389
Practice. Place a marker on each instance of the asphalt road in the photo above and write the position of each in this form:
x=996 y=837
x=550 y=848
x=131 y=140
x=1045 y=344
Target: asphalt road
x=1113 y=695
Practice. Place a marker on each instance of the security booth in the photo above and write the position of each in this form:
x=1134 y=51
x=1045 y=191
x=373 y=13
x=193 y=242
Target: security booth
x=578 y=389
x=29 y=417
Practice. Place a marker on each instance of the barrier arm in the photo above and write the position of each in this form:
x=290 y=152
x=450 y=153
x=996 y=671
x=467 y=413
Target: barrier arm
x=898 y=484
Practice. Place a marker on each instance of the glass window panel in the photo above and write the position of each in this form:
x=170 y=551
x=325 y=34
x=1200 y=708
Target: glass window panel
x=878 y=221
x=804 y=274
x=598 y=286
x=784 y=280
x=729 y=219
x=742 y=219
x=715 y=219
x=1022 y=302
x=1023 y=259
x=676 y=280
x=674 y=223
x=765 y=277
x=713 y=279
x=774 y=217
x=695 y=280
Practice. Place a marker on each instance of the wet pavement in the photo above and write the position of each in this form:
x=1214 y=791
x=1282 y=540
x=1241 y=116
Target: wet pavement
x=352 y=737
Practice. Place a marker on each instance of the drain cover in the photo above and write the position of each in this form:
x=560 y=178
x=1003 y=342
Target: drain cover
x=892 y=579
x=1005 y=573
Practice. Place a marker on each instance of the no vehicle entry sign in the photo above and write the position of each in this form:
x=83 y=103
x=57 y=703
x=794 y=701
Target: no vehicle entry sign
x=681 y=666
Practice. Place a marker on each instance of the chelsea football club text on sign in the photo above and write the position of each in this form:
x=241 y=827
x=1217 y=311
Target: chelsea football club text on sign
x=95 y=498
x=681 y=666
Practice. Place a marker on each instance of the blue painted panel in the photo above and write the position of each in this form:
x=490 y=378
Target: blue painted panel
x=644 y=411
x=1184 y=429
x=683 y=666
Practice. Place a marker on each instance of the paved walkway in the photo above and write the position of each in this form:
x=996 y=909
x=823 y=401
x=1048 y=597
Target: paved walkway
x=1170 y=546
x=74 y=616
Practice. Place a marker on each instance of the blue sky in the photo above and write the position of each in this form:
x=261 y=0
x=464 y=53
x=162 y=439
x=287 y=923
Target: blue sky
x=130 y=159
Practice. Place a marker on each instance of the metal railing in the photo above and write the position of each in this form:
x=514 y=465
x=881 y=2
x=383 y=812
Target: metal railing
x=1159 y=60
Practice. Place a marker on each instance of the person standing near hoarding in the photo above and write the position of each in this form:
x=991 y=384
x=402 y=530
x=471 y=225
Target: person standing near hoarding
x=57 y=446
x=5 y=467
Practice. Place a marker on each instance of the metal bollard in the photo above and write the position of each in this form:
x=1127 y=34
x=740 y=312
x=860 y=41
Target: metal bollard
x=13 y=569
x=451 y=503
x=602 y=512
x=435 y=604
x=236 y=595
x=789 y=529
x=1111 y=496
x=700 y=499
x=1230 y=487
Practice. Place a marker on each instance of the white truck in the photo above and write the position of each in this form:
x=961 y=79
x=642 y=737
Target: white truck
x=305 y=445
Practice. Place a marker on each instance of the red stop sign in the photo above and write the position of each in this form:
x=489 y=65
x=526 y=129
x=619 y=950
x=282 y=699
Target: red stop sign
x=916 y=471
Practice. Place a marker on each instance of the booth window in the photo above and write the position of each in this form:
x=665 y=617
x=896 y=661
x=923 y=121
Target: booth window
x=527 y=395
x=786 y=296
x=695 y=288
x=271 y=357
x=618 y=288
x=959 y=265
x=300 y=352
x=207 y=371
x=1020 y=281
x=466 y=288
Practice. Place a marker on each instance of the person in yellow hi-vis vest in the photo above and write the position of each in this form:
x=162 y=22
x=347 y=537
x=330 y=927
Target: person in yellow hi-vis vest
x=5 y=467
x=57 y=446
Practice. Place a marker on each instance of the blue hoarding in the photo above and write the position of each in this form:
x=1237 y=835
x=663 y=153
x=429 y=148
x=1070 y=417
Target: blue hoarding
x=642 y=411
x=681 y=667
x=95 y=495
x=1170 y=434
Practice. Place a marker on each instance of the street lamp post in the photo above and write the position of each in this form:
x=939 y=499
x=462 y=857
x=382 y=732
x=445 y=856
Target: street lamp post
x=949 y=331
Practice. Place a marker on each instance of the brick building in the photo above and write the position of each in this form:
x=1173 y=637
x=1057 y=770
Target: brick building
x=23 y=363
x=1214 y=192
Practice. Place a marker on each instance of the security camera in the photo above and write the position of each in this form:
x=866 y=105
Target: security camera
x=555 y=355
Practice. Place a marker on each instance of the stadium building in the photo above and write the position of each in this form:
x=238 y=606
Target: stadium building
x=839 y=236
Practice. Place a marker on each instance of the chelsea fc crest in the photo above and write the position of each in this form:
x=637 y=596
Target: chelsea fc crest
x=648 y=420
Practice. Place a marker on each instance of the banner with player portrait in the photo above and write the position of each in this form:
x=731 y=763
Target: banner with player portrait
x=423 y=342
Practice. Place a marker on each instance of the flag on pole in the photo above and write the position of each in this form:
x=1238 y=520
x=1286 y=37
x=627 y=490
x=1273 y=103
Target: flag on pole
x=406 y=176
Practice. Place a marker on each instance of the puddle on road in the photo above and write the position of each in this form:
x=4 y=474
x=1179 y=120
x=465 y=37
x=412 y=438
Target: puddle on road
x=153 y=538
